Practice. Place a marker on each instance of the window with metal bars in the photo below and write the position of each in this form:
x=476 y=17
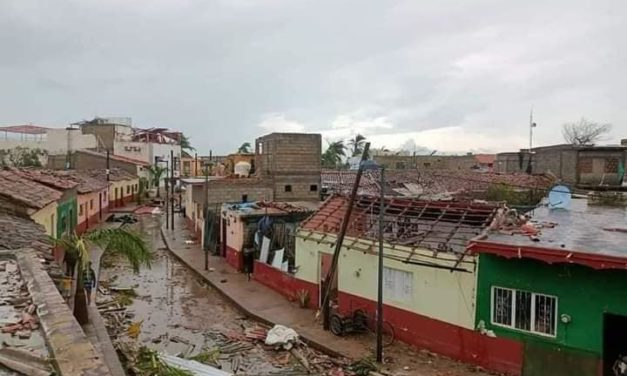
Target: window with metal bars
x=525 y=311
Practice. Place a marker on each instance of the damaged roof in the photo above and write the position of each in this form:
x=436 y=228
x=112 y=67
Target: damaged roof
x=595 y=236
x=435 y=225
x=46 y=177
x=429 y=184
x=25 y=191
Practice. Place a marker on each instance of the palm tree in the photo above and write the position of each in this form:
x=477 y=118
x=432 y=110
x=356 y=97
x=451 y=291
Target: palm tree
x=357 y=144
x=156 y=172
x=117 y=241
x=334 y=154
x=244 y=149
x=185 y=144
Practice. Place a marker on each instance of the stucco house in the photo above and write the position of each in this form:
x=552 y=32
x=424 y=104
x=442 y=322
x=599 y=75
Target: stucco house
x=559 y=294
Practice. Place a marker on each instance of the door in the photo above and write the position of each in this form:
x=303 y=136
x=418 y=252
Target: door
x=223 y=237
x=325 y=260
x=100 y=205
x=614 y=340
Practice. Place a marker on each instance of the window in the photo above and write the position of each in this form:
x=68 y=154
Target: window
x=523 y=310
x=427 y=164
x=313 y=188
x=585 y=165
x=611 y=166
x=91 y=204
x=288 y=188
x=128 y=189
x=398 y=284
x=244 y=198
x=400 y=165
x=80 y=210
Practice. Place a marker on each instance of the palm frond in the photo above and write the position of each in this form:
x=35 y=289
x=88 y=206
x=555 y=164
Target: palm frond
x=73 y=245
x=120 y=241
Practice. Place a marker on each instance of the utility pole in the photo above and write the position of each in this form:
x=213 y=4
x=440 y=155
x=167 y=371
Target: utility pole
x=380 y=278
x=108 y=167
x=195 y=165
x=167 y=196
x=172 y=190
x=531 y=126
x=205 y=208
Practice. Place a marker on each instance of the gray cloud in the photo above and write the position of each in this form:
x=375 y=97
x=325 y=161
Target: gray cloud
x=227 y=71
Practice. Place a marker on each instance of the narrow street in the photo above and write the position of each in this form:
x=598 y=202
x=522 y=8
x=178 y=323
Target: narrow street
x=181 y=315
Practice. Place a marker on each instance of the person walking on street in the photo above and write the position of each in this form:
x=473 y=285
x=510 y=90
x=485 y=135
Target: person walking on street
x=89 y=281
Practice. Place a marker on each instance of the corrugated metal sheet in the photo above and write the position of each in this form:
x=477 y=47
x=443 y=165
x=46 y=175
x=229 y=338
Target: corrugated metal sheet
x=192 y=366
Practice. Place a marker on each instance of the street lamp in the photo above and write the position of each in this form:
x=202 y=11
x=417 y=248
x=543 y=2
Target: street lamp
x=372 y=165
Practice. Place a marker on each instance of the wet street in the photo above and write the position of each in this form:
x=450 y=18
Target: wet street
x=182 y=316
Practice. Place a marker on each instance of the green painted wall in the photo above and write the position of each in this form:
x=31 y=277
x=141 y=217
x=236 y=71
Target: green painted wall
x=583 y=293
x=67 y=209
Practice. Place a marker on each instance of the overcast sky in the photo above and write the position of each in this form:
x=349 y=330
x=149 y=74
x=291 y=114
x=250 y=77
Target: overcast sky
x=444 y=75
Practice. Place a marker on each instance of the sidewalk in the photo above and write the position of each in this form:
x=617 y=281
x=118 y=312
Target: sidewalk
x=255 y=299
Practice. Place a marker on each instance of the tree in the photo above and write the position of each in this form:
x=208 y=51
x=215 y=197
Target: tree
x=22 y=157
x=334 y=154
x=156 y=172
x=185 y=144
x=244 y=149
x=357 y=144
x=584 y=132
x=116 y=241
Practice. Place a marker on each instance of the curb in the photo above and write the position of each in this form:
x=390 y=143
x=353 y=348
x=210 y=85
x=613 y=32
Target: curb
x=106 y=346
x=309 y=341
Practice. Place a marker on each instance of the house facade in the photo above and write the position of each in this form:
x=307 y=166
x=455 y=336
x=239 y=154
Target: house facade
x=25 y=198
x=429 y=283
x=560 y=293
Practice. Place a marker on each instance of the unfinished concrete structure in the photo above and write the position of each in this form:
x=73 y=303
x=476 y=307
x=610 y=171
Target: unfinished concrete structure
x=291 y=162
x=466 y=162
x=579 y=165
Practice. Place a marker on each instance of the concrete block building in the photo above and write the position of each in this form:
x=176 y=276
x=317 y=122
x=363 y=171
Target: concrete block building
x=291 y=163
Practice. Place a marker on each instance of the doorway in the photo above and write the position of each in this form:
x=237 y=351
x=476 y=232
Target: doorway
x=325 y=261
x=614 y=340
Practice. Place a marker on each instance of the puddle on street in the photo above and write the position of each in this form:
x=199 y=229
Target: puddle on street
x=181 y=314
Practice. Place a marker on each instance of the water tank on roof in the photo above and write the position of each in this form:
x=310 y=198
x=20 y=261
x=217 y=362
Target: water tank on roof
x=242 y=169
x=559 y=197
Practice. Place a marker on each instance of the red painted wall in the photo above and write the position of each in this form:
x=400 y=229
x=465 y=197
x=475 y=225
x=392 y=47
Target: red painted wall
x=497 y=354
x=285 y=283
x=234 y=258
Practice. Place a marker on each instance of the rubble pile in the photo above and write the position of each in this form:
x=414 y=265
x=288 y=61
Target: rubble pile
x=23 y=347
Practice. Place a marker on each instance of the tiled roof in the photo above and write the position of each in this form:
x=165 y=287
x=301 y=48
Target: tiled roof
x=16 y=233
x=115 y=174
x=485 y=158
x=20 y=189
x=46 y=177
x=86 y=182
x=436 y=225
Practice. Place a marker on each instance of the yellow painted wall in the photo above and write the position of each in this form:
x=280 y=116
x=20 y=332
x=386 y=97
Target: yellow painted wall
x=47 y=217
x=436 y=293
x=122 y=187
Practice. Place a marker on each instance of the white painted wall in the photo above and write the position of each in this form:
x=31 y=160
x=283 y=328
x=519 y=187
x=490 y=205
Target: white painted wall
x=57 y=141
x=436 y=293
x=135 y=150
